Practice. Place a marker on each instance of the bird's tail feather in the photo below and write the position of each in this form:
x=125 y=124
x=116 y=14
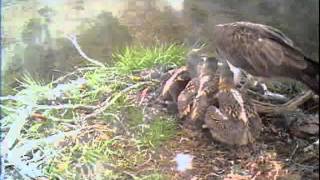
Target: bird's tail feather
x=310 y=76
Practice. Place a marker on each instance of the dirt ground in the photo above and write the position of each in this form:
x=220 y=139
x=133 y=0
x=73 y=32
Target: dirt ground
x=275 y=156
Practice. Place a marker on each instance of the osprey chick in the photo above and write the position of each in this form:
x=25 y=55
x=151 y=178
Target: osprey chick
x=236 y=121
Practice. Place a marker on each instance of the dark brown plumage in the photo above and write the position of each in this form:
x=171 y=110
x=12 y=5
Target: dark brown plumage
x=236 y=122
x=264 y=51
x=174 y=85
x=208 y=82
x=195 y=98
x=186 y=97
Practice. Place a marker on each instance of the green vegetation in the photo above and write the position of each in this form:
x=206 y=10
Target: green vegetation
x=155 y=176
x=87 y=124
x=160 y=130
x=138 y=58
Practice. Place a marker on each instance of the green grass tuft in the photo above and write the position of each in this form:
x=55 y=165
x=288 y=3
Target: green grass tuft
x=155 y=176
x=138 y=58
x=159 y=131
x=75 y=160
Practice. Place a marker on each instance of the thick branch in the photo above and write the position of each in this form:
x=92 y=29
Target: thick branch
x=292 y=105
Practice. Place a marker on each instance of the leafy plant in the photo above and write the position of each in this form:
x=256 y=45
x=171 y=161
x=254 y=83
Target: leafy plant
x=138 y=57
x=45 y=127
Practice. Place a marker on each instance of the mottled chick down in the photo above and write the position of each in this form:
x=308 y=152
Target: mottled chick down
x=176 y=83
x=208 y=87
x=236 y=121
x=186 y=97
x=193 y=100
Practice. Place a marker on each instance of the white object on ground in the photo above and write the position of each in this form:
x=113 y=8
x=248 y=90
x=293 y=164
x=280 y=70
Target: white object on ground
x=184 y=161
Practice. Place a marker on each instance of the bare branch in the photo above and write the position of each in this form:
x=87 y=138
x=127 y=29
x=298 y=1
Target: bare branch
x=65 y=106
x=60 y=79
x=108 y=102
x=73 y=39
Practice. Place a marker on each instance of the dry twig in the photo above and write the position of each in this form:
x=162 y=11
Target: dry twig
x=109 y=101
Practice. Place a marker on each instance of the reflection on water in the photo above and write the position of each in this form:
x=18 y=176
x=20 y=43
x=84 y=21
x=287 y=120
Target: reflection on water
x=34 y=30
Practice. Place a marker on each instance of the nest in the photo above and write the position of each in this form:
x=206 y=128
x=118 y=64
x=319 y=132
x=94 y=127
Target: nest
x=201 y=103
x=233 y=116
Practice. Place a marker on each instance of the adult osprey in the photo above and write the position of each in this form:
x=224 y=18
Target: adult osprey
x=264 y=51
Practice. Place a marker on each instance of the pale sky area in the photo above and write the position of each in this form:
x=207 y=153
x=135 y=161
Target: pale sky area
x=176 y=4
